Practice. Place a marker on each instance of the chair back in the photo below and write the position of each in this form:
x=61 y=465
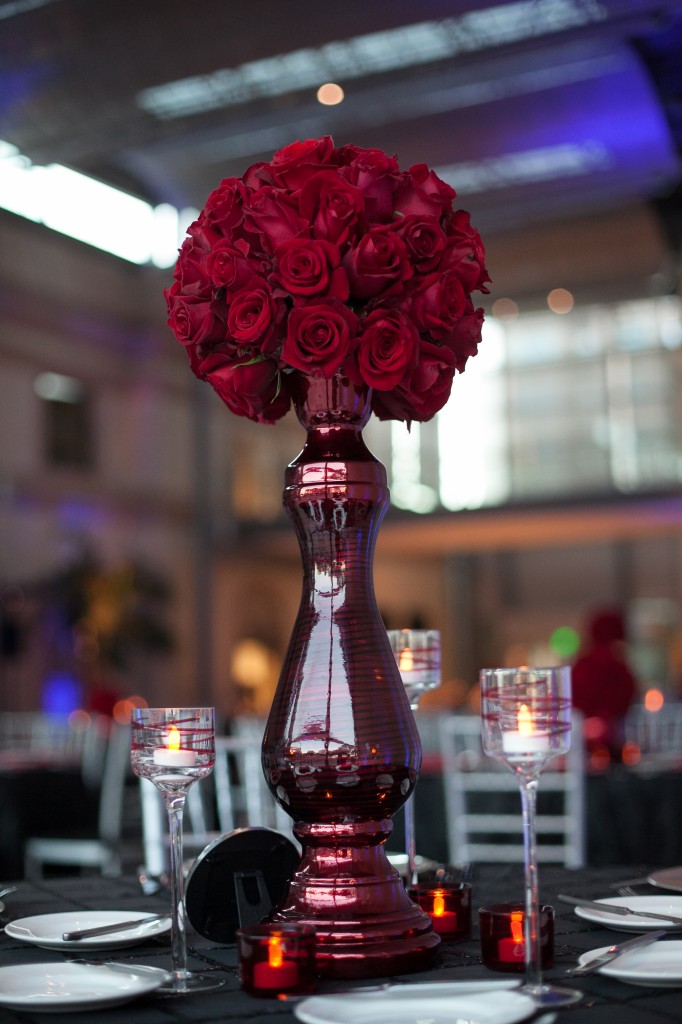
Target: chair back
x=103 y=851
x=482 y=802
x=658 y=734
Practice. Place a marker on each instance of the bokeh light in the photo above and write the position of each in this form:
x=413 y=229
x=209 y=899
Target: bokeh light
x=505 y=309
x=560 y=301
x=330 y=94
x=565 y=641
x=653 y=699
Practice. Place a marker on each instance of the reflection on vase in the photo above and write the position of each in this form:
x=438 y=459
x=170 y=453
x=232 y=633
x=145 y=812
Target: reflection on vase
x=341 y=751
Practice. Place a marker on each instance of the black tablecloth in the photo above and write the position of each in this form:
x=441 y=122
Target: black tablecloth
x=606 y=1001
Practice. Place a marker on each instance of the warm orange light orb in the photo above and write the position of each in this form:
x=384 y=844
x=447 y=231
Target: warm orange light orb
x=653 y=699
x=560 y=301
x=330 y=94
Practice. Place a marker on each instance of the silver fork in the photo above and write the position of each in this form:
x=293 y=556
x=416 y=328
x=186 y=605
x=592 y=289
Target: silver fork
x=626 y=890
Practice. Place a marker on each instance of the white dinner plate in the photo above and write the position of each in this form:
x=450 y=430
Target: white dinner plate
x=658 y=965
x=399 y=862
x=72 y=986
x=650 y=904
x=668 y=878
x=46 y=930
x=439 y=1003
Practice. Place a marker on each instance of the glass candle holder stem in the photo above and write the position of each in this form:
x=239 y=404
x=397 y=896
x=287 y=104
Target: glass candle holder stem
x=531 y=921
x=175 y=806
x=410 y=842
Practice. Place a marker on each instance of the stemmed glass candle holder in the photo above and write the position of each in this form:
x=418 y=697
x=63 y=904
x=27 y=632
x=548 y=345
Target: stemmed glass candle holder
x=173 y=747
x=417 y=652
x=526 y=715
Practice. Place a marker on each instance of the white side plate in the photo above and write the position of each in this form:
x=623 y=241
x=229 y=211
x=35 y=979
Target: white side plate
x=438 y=1003
x=650 y=904
x=59 y=987
x=659 y=966
x=46 y=930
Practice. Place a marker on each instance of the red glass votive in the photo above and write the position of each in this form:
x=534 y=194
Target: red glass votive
x=448 y=906
x=277 y=959
x=503 y=945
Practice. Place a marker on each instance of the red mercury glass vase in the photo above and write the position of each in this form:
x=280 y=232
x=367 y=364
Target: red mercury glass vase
x=341 y=751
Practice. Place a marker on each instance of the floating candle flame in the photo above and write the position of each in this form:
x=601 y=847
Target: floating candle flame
x=525 y=721
x=438 y=905
x=516 y=925
x=171 y=756
x=406 y=663
x=275 y=957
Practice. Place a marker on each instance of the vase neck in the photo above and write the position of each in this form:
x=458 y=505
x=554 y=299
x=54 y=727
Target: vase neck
x=331 y=402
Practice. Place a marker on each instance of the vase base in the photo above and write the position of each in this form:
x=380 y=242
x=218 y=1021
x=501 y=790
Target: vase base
x=354 y=949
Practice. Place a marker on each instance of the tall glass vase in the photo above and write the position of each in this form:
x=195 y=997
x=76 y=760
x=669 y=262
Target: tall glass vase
x=341 y=751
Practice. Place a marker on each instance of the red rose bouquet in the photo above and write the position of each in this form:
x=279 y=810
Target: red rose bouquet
x=330 y=259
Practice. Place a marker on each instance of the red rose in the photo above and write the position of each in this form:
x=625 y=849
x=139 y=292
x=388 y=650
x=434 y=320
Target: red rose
x=465 y=338
x=424 y=239
x=378 y=262
x=251 y=389
x=274 y=217
x=465 y=252
x=423 y=193
x=319 y=337
x=190 y=270
x=254 y=316
x=193 y=318
x=309 y=266
x=224 y=208
x=387 y=347
x=228 y=266
x=424 y=389
x=376 y=175
x=333 y=208
x=293 y=165
x=436 y=304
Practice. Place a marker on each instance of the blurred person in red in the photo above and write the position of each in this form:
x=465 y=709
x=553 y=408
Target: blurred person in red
x=604 y=686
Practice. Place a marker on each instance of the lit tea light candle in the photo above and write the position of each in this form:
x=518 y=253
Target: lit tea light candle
x=503 y=941
x=275 y=972
x=525 y=739
x=171 y=756
x=512 y=950
x=444 y=920
x=277 y=959
x=449 y=908
x=415 y=667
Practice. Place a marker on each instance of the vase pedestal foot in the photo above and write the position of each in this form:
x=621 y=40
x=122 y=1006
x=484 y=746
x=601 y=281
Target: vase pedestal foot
x=366 y=924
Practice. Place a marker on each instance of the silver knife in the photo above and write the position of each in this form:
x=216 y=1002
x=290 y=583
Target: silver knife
x=615 y=908
x=613 y=952
x=109 y=929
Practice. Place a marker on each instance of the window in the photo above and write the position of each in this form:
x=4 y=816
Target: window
x=67 y=420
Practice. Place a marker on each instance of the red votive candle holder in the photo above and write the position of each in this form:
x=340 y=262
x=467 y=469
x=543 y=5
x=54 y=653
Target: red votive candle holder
x=503 y=945
x=448 y=906
x=277 y=959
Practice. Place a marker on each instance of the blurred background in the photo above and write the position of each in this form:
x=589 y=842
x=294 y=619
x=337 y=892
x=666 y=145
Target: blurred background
x=144 y=553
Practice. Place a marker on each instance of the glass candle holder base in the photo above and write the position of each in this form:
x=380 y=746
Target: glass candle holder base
x=188 y=982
